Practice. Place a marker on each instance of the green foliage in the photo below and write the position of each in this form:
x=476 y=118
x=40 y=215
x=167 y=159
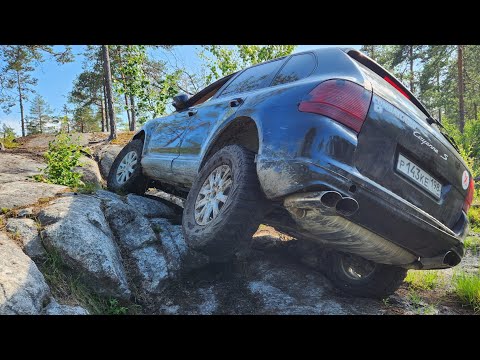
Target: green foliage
x=474 y=218
x=18 y=63
x=114 y=308
x=62 y=157
x=472 y=243
x=224 y=60
x=468 y=142
x=139 y=79
x=423 y=279
x=88 y=188
x=7 y=137
x=467 y=288
x=157 y=229
x=40 y=119
x=84 y=120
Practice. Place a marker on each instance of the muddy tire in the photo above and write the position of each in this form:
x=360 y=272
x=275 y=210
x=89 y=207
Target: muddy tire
x=360 y=277
x=126 y=175
x=225 y=205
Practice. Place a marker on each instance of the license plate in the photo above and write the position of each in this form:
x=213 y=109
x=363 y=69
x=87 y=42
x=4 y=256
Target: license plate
x=419 y=176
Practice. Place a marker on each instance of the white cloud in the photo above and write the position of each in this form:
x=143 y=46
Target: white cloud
x=13 y=122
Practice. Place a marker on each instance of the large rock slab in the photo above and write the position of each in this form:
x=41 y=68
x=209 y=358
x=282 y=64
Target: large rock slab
x=106 y=156
x=289 y=289
x=27 y=232
x=149 y=207
x=76 y=228
x=54 y=308
x=152 y=269
x=131 y=228
x=23 y=289
x=15 y=167
x=178 y=255
x=23 y=193
x=90 y=171
x=107 y=196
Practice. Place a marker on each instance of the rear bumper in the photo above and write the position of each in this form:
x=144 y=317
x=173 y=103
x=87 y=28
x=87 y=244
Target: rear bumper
x=380 y=211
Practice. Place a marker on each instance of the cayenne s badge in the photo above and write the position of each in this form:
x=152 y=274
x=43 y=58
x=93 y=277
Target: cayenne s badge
x=427 y=144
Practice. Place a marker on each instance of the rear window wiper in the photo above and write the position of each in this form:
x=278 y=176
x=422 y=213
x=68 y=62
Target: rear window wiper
x=449 y=138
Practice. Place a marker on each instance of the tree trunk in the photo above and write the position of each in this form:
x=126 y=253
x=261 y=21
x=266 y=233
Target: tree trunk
x=461 y=104
x=128 y=110
x=124 y=83
x=133 y=124
x=107 y=120
x=440 y=104
x=102 y=107
x=108 y=88
x=412 y=78
x=21 y=103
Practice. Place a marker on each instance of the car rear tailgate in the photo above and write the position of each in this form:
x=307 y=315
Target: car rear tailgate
x=395 y=126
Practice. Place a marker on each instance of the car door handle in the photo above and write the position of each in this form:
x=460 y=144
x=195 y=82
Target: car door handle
x=236 y=102
x=192 y=112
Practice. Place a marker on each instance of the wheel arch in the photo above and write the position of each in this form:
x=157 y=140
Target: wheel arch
x=242 y=130
x=140 y=135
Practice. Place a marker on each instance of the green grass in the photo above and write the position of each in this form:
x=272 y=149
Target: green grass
x=423 y=279
x=418 y=306
x=467 y=288
x=68 y=288
x=472 y=243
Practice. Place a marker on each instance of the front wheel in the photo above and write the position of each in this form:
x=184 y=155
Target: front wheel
x=126 y=175
x=360 y=277
x=225 y=204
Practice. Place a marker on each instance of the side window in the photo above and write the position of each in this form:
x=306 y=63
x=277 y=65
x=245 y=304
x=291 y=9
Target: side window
x=298 y=67
x=252 y=78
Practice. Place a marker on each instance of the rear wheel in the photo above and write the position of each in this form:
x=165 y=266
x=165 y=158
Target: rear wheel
x=225 y=204
x=360 y=277
x=126 y=175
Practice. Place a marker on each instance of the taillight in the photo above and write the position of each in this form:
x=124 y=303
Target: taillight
x=469 y=198
x=341 y=100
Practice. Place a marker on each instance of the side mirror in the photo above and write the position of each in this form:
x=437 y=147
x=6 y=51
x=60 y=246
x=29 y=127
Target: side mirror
x=180 y=101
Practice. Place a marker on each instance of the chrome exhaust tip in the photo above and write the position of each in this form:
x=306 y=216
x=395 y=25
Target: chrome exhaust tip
x=451 y=258
x=347 y=206
x=330 y=198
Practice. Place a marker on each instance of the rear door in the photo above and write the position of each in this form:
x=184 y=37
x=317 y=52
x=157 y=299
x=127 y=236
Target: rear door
x=400 y=150
x=212 y=115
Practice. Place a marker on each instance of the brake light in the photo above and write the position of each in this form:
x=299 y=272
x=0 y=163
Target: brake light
x=398 y=88
x=469 y=199
x=341 y=100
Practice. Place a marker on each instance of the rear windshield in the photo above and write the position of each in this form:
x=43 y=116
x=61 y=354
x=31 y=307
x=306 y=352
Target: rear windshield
x=388 y=92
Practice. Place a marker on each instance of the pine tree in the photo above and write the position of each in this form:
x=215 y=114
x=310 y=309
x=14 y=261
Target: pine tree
x=40 y=118
x=17 y=79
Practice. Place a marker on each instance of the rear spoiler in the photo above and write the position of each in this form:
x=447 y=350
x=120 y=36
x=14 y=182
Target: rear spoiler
x=381 y=71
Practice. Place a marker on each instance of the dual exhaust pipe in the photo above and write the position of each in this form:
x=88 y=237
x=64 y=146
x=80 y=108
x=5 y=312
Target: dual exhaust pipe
x=345 y=206
x=328 y=202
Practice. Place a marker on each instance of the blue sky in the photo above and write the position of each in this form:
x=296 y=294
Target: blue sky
x=55 y=81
